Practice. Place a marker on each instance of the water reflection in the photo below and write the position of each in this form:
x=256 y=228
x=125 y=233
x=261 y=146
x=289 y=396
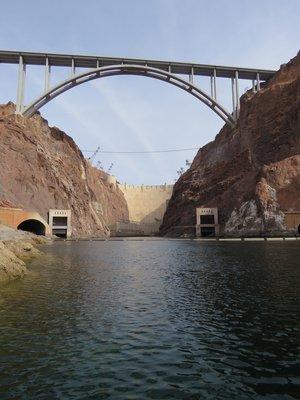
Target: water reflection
x=154 y=319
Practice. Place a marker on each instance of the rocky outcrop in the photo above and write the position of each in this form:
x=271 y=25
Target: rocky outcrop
x=11 y=267
x=41 y=168
x=16 y=247
x=252 y=172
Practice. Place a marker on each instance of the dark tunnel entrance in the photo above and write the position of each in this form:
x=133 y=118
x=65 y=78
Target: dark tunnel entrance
x=33 y=226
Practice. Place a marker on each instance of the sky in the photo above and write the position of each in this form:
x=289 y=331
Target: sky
x=127 y=113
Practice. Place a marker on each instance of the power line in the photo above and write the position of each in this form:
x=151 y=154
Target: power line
x=142 y=152
x=92 y=157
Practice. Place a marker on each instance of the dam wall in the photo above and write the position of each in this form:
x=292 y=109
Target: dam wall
x=146 y=207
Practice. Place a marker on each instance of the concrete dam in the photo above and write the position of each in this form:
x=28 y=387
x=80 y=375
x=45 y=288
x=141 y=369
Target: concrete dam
x=146 y=206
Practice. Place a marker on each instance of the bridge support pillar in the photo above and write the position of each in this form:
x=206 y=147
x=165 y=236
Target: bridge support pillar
x=213 y=85
x=21 y=86
x=191 y=78
x=257 y=82
x=233 y=96
x=73 y=72
x=237 y=95
x=47 y=75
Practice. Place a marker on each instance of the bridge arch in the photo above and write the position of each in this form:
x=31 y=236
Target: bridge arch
x=129 y=69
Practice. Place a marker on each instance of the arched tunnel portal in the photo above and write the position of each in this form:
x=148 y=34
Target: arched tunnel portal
x=33 y=226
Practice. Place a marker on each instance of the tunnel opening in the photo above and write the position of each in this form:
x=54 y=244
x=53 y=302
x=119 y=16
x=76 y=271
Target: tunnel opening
x=208 y=231
x=60 y=226
x=33 y=226
x=61 y=233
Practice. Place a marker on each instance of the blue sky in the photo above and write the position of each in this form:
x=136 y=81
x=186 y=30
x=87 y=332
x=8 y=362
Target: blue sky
x=137 y=113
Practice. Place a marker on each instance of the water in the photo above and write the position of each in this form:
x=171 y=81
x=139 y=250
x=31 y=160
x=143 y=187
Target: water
x=153 y=320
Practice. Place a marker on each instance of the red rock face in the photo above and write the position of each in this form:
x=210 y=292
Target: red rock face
x=42 y=168
x=252 y=172
x=5 y=203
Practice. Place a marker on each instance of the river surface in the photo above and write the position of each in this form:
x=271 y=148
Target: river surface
x=154 y=319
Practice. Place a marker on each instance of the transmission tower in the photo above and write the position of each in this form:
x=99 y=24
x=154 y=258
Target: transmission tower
x=99 y=165
x=110 y=167
x=180 y=171
x=92 y=157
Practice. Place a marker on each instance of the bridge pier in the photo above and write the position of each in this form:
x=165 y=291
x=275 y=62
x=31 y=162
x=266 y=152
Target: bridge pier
x=191 y=77
x=233 y=95
x=21 y=86
x=237 y=95
x=47 y=75
x=73 y=71
x=258 y=82
x=213 y=85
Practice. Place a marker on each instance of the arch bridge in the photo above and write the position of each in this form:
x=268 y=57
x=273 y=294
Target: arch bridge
x=179 y=74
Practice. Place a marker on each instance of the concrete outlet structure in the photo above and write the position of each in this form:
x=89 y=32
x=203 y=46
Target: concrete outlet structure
x=60 y=223
x=292 y=221
x=207 y=222
x=29 y=221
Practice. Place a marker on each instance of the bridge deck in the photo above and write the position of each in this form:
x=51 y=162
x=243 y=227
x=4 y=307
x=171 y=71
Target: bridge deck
x=82 y=61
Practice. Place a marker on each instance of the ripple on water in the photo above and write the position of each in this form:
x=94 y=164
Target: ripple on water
x=153 y=320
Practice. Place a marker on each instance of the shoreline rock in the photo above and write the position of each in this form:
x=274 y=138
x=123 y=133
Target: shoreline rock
x=16 y=247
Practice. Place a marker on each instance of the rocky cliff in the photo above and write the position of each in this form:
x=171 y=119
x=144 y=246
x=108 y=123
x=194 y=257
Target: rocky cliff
x=41 y=168
x=252 y=172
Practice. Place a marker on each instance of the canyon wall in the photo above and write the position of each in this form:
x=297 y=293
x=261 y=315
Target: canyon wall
x=42 y=168
x=250 y=172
